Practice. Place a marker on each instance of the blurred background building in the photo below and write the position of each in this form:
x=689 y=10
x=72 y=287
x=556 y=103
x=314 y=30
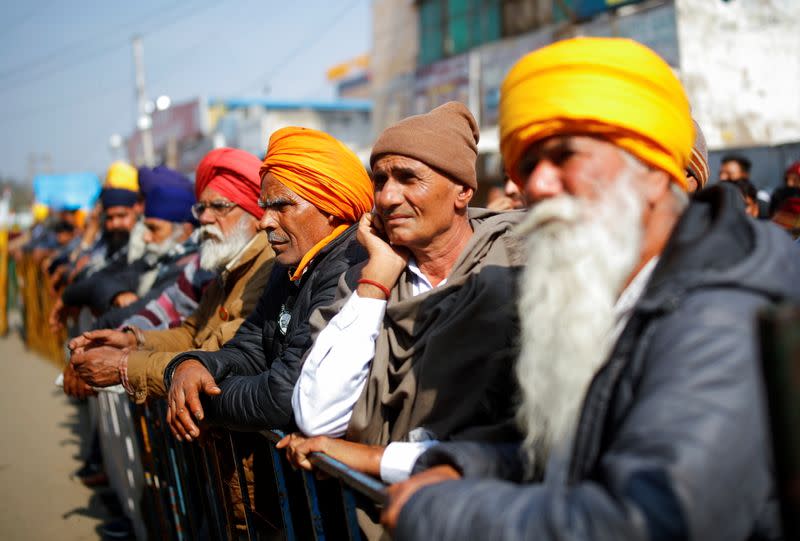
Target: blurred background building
x=427 y=52
x=430 y=51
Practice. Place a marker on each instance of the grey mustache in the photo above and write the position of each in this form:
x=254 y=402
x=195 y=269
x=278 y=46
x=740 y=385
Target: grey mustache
x=274 y=237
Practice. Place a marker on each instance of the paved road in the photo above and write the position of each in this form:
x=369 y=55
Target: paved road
x=39 y=449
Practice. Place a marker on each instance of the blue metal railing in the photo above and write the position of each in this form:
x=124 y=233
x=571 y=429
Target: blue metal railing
x=201 y=490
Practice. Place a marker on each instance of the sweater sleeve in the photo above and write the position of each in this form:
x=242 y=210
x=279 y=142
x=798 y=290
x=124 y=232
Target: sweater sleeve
x=146 y=374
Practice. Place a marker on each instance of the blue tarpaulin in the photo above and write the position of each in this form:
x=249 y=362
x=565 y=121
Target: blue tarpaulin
x=67 y=192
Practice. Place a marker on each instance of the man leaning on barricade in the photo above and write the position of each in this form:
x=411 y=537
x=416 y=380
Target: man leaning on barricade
x=420 y=343
x=313 y=190
x=642 y=401
x=168 y=246
x=227 y=188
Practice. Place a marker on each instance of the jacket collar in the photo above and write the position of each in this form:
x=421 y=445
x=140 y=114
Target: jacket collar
x=332 y=246
x=713 y=235
x=250 y=252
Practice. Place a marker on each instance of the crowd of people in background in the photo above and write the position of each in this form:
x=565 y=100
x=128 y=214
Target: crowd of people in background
x=578 y=360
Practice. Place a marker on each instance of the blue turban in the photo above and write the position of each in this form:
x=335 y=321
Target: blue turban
x=117 y=197
x=168 y=195
x=149 y=178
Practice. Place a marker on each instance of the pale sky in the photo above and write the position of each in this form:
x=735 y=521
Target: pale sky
x=67 y=76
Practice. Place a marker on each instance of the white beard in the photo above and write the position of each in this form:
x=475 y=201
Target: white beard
x=579 y=256
x=216 y=251
x=136 y=244
x=157 y=250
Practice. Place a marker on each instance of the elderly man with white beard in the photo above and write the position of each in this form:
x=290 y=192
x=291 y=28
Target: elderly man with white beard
x=642 y=399
x=228 y=186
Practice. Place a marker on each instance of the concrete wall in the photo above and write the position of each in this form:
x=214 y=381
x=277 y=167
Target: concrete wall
x=740 y=64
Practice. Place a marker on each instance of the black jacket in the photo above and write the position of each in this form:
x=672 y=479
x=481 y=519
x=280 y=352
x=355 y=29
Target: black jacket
x=672 y=441
x=258 y=367
x=97 y=291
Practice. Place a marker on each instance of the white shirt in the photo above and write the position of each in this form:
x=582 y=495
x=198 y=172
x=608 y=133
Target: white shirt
x=627 y=300
x=336 y=370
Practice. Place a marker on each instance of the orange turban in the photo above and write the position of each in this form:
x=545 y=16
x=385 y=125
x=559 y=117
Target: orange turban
x=324 y=172
x=613 y=88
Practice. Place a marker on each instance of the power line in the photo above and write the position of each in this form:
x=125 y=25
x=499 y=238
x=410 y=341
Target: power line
x=25 y=18
x=179 y=17
x=83 y=98
x=77 y=44
x=300 y=49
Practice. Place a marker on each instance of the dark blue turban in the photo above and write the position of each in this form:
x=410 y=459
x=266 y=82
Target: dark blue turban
x=117 y=197
x=168 y=195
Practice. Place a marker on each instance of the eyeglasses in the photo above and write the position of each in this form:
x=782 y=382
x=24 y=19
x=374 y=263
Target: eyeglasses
x=217 y=208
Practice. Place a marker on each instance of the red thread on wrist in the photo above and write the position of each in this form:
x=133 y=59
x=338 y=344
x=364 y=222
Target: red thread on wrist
x=383 y=288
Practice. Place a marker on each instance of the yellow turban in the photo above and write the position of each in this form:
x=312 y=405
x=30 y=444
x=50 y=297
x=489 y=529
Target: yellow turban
x=40 y=212
x=613 y=88
x=122 y=176
x=324 y=172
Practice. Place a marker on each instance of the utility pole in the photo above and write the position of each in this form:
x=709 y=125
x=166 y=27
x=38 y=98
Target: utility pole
x=144 y=122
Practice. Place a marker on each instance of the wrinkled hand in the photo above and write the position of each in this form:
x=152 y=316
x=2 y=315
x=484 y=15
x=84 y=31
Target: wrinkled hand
x=124 y=299
x=56 y=278
x=190 y=379
x=386 y=262
x=58 y=315
x=103 y=337
x=359 y=456
x=298 y=447
x=74 y=386
x=98 y=366
x=399 y=493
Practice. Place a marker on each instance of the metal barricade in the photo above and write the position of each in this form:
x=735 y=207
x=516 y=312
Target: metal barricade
x=231 y=485
x=4 y=282
x=227 y=485
x=38 y=302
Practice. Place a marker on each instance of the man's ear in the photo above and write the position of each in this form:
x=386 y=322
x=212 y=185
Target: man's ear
x=333 y=221
x=463 y=196
x=655 y=186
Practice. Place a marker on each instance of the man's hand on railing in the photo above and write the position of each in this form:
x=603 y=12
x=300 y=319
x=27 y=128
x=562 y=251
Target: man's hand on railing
x=189 y=380
x=74 y=386
x=399 y=493
x=98 y=366
x=58 y=315
x=103 y=337
x=361 y=457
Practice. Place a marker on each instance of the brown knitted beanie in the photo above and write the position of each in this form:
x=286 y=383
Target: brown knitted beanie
x=445 y=139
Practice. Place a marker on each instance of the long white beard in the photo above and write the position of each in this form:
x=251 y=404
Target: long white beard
x=216 y=250
x=579 y=255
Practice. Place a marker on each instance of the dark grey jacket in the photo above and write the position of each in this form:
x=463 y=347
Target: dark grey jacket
x=258 y=367
x=672 y=441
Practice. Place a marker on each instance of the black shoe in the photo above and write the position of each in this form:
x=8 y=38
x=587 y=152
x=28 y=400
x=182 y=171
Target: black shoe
x=118 y=528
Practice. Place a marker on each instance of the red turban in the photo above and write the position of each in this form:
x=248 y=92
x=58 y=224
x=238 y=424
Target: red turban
x=234 y=174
